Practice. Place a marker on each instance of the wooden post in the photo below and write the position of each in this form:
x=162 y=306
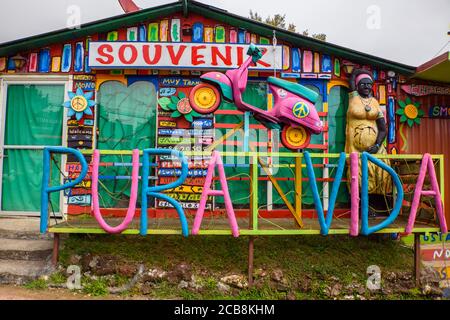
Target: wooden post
x=417 y=258
x=250 y=226
x=55 y=253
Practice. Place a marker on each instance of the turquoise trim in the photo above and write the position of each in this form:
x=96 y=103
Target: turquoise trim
x=227 y=91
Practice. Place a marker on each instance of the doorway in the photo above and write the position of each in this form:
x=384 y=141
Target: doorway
x=32 y=118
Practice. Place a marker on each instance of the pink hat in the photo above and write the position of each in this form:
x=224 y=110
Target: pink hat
x=362 y=76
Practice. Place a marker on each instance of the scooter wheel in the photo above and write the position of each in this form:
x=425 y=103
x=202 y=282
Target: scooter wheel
x=295 y=138
x=205 y=98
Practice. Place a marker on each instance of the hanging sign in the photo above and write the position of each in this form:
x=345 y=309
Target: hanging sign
x=423 y=90
x=439 y=112
x=133 y=55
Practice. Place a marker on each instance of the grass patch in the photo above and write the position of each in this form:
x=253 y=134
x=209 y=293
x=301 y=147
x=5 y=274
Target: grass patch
x=38 y=284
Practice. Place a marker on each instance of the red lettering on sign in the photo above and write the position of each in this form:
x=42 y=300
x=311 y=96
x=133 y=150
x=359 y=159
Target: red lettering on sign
x=156 y=57
x=215 y=53
x=133 y=57
x=196 y=57
x=104 y=51
x=240 y=55
x=175 y=57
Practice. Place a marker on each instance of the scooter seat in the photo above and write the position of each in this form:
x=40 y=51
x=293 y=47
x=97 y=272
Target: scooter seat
x=295 y=88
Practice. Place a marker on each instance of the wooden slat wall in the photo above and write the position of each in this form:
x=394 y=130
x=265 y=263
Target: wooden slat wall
x=431 y=136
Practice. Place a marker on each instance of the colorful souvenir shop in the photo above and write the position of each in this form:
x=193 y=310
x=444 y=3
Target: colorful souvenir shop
x=125 y=83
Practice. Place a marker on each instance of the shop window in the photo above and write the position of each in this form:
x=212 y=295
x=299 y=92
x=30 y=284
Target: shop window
x=126 y=121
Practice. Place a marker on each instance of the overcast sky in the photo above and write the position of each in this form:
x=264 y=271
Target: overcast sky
x=407 y=31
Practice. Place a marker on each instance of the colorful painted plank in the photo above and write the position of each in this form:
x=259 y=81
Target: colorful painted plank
x=253 y=38
x=44 y=60
x=296 y=60
x=264 y=40
x=197 y=32
x=2 y=64
x=242 y=34
x=66 y=63
x=233 y=35
x=132 y=34
x=153 y=32
x=186 y=33
x=33 y=62
x=307 y=61
x=220 y=34
x=56 y=64
x=382 y=94
x=286 y=57
x=142 y=33
x=79 y=57
x=87 y=68
x=11 y=65
x=248 y=37
x=337 y=67
x=209 y=34
x=391 y=118
x=175 y=30
x=112 y=36
x=316 y=62
x=164 y=31
x=326 y=63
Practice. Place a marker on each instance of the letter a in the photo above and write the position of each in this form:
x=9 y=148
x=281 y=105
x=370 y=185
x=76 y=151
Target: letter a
x=216 y=159
x=427 y=163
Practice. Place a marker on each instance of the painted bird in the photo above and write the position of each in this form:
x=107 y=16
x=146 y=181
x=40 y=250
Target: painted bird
x=129 y=6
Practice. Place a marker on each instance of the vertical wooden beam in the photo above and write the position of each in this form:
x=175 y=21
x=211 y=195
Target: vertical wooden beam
x=251 y=247
x=55 y=253
x=254 y=191
x=417 y=262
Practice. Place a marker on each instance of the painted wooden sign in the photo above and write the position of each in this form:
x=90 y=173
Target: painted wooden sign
x=286 y=57
x=185 y=132
x=66 y=58
x=424 y=90
x=164 y=31
x=184 y=205
x=439 y=112
x=153 y=32
x=44 y=60
x=80 y=200
x=296 y=60
x=132 y=34
x=209 y=34
x=233 y=35
x=241 y=36
x=78 y=65
x=126 y=55
x=197 y=32
x=177 y=173
x=178 y=82
x=220 y=34
x=175 y=30
x=167 y=124
x=142 y=33
x=307 y=61
x=85 y=85
x=56 y=64
x=326 y=63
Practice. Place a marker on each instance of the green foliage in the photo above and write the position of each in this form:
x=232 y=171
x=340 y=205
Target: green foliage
x=38 y=284
x=58 y=278
x=95 y=288
x=279 y=21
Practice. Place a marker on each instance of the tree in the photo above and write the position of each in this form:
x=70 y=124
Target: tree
x=279 y=21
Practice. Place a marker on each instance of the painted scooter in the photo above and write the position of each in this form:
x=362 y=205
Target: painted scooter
x=293 y=109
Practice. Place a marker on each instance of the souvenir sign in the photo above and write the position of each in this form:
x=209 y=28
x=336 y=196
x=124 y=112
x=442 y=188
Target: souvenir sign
x=133 y=55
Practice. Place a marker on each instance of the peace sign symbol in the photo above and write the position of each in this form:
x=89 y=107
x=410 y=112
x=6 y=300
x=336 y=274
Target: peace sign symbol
x=300 y=110
x=79 y=103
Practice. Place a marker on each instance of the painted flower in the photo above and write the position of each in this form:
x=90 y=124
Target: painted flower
x=410 y=112
x=80 y=103
x=180 y=106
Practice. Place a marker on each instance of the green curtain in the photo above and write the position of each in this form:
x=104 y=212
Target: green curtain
x=34 y=116
x=337 y=121
x=126 y=121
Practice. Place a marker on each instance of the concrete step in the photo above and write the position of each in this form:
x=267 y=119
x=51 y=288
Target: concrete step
x=20 y=272
x=21 y=228
x=18 y=249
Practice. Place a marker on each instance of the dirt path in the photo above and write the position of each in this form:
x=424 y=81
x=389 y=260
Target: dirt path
x=20 y=293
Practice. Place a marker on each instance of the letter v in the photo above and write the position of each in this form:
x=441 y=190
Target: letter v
x=216 y=159
x=325 y=223
x=427 y=163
